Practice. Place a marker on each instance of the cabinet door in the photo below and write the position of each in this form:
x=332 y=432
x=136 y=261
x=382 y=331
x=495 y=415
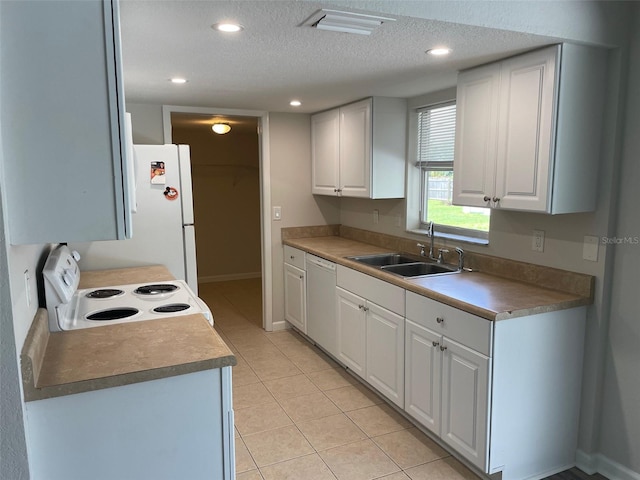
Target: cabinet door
x=325 y=152
x=350 y=313
x=355 y=149
x=465 y=403
x=385 y=352
x=423 y=363
x=528 y=93
x=476 y=136
x=64 y=150
x=295 y=297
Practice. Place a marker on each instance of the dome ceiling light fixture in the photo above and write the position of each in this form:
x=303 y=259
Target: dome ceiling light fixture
x=221 y=128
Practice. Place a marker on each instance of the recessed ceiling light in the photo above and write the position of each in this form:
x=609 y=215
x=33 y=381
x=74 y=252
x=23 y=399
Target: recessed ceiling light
x=227 y=27
x=439 y=51
x=295 y=103
x=178 y=80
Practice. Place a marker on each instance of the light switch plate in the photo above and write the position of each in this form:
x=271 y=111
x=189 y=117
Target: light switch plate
x=590 y=248
x=277 y=213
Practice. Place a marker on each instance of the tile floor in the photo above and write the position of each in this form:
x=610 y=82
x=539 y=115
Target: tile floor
x=300 y=416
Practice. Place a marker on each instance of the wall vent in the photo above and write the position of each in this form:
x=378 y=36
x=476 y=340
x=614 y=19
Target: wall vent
x=347 y=22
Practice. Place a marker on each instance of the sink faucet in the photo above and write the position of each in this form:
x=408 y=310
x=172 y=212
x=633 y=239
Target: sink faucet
x=422 y=247
x=441 y=253
x=460 y=253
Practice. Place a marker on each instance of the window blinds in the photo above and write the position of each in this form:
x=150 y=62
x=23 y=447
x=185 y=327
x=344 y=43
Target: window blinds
x=436 y=137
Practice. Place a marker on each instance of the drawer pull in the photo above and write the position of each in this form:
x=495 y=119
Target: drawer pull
x=435 y=344
x=443 y=348
x=439 y=320
x=292 y=257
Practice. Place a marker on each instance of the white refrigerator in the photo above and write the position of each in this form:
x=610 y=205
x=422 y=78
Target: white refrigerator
x=163 y=222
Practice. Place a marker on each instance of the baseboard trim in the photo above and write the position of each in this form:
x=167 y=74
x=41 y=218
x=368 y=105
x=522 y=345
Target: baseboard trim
x=598 y=463
x=281 y=325
x=230 y=276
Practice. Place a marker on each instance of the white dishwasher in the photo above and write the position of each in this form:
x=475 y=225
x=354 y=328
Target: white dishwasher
x=321 y=301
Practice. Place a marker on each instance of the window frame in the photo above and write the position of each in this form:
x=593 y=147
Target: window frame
x=416 y=180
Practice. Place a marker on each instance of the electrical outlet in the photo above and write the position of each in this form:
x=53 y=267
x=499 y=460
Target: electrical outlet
x=590 y=248
x=376 y=216
x=537 y=244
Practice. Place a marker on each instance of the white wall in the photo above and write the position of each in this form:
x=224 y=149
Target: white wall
x=290 y=142
x=147 y=121
x=620 y=426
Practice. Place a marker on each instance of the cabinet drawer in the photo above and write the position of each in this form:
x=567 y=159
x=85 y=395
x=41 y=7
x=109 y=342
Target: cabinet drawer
x=378 y=291
x=470 y=330
x=294 y=257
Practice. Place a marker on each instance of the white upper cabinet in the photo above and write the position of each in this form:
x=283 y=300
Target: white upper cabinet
x=64 y=123
x=358 y=150
x=528 y=131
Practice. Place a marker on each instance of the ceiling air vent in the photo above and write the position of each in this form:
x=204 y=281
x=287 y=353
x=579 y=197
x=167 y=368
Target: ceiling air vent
x=346 y=22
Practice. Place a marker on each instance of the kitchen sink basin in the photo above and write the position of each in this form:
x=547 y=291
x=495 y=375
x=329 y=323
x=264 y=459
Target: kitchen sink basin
x=418 y=269
x=384 y=259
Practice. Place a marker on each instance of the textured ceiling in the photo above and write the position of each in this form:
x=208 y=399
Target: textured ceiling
x=275 y=59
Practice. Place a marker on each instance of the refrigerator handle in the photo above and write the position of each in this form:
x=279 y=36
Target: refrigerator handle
x=190 y=266
x=186 y=193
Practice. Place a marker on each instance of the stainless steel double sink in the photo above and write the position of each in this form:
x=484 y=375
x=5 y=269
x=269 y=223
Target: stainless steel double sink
x=405 y=265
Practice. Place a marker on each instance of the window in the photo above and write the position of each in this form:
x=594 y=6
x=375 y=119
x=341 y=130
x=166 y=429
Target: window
x=435 y=147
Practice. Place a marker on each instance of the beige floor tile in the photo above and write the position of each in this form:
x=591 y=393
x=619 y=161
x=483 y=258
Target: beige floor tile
x=309 y=467
x=409 y=448
x=273 y=369
x=296 y=349
x=329 y=432
x=446 y=469
x=278 y=445
x=242 y=374
x=313 y=361
x=251 y=475
x=332 y=379
x=361 y=460
x=378 y=420
x=353 y=397
x=250 y=395
x=244 y=462
x=285 y=337
x=260 y=418
x=395 y=476
x=258 y=353
x=290 y=387
x=309 y=407
x=247 y=337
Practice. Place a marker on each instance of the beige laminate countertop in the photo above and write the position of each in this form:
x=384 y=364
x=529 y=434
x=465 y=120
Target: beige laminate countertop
x=64 y=363
x=487 y=296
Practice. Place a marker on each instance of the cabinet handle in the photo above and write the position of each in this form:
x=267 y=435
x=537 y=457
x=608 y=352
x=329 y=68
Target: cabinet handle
x=487 y=198
x=495 y=199
x=301 y=277
x=360 y=307
x=366 y=309
x=443 y=348
x=435 y=344
x=439 y=320
x=292 y=257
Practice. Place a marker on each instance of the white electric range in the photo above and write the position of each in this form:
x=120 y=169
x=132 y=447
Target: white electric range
x=71 y=309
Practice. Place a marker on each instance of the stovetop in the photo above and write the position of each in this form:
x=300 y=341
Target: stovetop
x=70 y=308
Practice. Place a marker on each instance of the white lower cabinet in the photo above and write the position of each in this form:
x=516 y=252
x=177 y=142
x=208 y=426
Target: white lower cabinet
x=295 y=297
x=385 y=352
x=352 y=329
x=423 y=375
x=371 y=343
x=447 y=382
x=465 y=406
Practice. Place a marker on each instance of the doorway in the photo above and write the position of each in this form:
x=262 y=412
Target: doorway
x=228 y=174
